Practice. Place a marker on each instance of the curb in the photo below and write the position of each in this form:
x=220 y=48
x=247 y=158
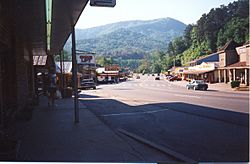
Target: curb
x=163 y=149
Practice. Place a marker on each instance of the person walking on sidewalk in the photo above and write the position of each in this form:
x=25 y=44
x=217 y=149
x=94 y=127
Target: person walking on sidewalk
x=52 y=87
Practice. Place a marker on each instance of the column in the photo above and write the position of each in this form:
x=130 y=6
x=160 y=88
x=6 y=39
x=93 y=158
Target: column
x=246 y=77
x=225 y=76
x=74 y=71
x=234 y=74
x=230 y=75
x=219 y=77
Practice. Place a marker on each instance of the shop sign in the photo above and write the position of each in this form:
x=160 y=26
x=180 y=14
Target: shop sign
x=206 y=66
x=85 y=59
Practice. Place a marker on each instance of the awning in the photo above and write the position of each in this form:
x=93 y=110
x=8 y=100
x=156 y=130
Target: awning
x=67 y=67
x=196 y=72
x=39 y=60
x=27 y=20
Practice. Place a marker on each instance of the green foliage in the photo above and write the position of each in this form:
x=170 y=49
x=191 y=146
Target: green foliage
x=236 y=29
x=213 y=30
x=66 y=56
x=235 y=84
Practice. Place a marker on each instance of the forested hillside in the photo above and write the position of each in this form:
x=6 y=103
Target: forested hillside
x=129 y=38
x=210 y=32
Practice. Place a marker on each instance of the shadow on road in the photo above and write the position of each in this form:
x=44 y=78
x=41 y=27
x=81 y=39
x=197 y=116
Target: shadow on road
x=199 y=132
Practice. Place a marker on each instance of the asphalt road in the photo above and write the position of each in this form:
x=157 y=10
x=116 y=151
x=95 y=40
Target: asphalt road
x=201 y=125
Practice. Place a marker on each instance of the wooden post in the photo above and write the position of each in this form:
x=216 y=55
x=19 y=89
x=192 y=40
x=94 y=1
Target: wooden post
x=219 y=77
x=246 y=77
x=234 y=74
x=225 y=76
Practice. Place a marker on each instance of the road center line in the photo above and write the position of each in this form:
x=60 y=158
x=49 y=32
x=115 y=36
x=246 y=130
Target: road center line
x=198 y=97
x=134 y=113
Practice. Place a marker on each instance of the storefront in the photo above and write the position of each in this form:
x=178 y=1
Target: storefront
x=205 y=71
x=235 y=72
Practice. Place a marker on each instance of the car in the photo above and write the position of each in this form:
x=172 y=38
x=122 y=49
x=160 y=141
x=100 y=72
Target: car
x=197 y=85
x=137 y=77
x=175 y=78
x=169 y=76
x=157 y=78
x=88 y=84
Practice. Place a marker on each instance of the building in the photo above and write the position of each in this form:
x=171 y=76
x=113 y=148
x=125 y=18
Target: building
x=204 y=71
x=26 y=32
x=208 y=58
x=202 y=68
x=108 y=74
x=234 y=63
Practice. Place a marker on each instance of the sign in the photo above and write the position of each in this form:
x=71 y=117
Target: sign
x=85 y=59
x=103 y=3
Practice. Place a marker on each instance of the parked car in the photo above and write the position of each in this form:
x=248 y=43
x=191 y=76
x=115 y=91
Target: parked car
x=197 y=85
x=169 y=76
x=157 y=78
x=88 y=84
x=137 y=77
x=175 y=78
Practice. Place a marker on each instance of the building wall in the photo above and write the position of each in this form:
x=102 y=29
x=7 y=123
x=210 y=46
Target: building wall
x=222 y=60
x=22 y=78
x=15 y=80
x=243 y=52
x=247 y=55
x=231 y=57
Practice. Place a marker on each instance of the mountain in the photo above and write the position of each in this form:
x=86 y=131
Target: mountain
x=129 y=37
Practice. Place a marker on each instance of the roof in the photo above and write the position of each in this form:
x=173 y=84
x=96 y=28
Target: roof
x=230 y=45
x=202 y=57
x=28 y=22
x=247 y=43
x=238 y=64
x=196 y=72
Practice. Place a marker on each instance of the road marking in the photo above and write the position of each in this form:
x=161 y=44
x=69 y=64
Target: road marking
x=134 y=113
x=198 y=97
x=163 y=85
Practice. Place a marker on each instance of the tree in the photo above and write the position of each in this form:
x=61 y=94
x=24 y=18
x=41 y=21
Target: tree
x=236 y=29
x=66 y=56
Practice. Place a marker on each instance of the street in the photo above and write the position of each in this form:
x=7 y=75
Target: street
x=201 y=125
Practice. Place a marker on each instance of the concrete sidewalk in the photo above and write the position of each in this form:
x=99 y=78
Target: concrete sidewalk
x=52 y=135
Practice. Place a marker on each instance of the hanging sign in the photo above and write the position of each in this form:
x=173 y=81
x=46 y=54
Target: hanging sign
x=103 y=3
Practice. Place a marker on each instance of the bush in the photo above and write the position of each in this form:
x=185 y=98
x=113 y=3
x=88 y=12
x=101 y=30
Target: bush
x=235 y=84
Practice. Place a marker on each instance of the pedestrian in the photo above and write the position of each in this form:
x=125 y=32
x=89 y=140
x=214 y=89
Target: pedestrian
x=52 y=87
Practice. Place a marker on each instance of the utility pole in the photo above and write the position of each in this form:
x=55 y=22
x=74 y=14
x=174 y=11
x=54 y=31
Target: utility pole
x=74 y=73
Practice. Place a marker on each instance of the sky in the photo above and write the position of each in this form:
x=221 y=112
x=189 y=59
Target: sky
x=186 y=11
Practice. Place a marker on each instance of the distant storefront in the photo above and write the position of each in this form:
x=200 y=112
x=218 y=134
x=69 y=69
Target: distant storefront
x=108 y=74
x=204 y=71
x=229 y=63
